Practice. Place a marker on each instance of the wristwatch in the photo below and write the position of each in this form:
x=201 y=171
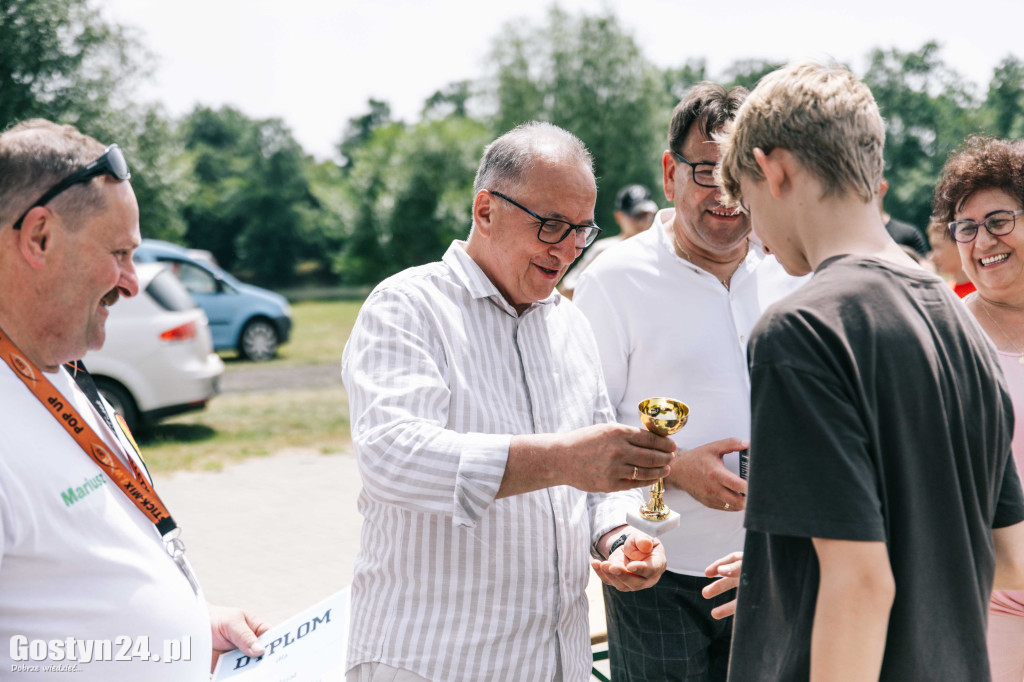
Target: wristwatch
x=619 y=542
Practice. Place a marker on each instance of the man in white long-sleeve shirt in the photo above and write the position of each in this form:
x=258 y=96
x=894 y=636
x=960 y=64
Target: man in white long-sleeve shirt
x=479 y=418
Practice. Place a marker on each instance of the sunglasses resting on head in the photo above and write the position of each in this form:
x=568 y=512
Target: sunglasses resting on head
x=111 y=163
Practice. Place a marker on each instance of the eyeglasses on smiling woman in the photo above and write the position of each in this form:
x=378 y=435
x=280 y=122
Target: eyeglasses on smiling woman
x=553 y=231
x=111 y=163
x=998 y=223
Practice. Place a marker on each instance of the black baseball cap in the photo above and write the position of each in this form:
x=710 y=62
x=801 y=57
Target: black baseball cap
x=635 y=199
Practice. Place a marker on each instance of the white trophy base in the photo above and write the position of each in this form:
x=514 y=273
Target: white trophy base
x=653 y=528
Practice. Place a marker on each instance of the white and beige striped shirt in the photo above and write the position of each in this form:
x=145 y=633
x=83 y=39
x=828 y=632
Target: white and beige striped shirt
x=450 y=582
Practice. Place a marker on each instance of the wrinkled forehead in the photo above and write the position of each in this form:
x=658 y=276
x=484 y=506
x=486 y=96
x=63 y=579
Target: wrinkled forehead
x=558 y=173
x=699 y=147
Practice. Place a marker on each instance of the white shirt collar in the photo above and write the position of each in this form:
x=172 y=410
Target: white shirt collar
x=476 y=281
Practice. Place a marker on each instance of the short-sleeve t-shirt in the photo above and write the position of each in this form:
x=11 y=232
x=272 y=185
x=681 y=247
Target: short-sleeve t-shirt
x=879 y=413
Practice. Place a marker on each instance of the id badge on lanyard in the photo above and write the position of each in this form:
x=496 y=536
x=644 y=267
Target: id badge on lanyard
x=132 y=482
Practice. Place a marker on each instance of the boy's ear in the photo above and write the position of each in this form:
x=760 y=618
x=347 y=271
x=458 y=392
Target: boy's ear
x=776 y=168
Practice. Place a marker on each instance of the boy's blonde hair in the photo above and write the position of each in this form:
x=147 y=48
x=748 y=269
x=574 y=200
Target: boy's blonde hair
x=823 y=115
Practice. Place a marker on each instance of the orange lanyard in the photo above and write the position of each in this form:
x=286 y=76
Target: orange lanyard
x=132 y=483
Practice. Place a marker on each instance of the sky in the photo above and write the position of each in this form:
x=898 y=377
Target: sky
x=315 y=63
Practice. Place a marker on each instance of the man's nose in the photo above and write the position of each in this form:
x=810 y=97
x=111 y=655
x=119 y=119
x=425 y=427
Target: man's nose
x=128 y=284
x=569 y=248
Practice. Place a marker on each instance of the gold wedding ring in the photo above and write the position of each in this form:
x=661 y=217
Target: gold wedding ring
x=636 y=473
x=726 y=506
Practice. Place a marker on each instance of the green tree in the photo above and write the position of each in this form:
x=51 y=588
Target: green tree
x=1004 y=104
x=410 y=192
x=587 y=75
x=360 y=129
x=216 y=141
x=60 y=60
x=161 y=174
x=430 y=183
x=747 y=72
x=929 y=109
x=253 y=193
x=322 y=234
x=271 y=243
x=451 y=100
x=366 y=148
x=677 y=80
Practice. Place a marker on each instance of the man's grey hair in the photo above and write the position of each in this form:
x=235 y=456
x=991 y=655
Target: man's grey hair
x=37 y=154
x=507 y=160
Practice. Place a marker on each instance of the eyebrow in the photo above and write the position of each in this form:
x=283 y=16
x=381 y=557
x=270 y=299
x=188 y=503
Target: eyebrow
x=987 y=216
x=713 y=163
x=558 y=216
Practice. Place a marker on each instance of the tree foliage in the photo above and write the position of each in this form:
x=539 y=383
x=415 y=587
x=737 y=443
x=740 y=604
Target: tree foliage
x=253 y=184
x=1004 y=105
x=586 y=74
x=361 y=128
x=402 y=190
x=59 y=59
x=410 y=191
x=928 y=109
x=677 y=80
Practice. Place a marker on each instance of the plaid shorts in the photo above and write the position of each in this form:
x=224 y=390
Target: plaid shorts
x=666 y=632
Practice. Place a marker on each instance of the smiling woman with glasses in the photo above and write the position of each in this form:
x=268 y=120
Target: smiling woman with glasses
x=111 y=163
x=982 y=186
x=996 y=223
x=553 y=230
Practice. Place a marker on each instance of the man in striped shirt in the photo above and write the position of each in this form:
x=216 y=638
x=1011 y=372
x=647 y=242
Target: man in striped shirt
x=485 y=444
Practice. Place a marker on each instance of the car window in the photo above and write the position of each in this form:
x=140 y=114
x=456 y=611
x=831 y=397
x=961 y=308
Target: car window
x=195 y=279
x=168 y=292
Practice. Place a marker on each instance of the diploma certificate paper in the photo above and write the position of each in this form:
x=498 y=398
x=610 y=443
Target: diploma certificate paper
x=309 y=646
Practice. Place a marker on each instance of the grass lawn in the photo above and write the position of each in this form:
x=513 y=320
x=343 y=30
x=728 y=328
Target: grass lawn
x=319 y=333
x=240 y=425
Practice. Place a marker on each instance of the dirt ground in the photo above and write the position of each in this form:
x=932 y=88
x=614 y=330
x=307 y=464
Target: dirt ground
x=271 y=534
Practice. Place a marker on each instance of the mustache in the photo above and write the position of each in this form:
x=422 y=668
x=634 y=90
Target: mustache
x=111 y=298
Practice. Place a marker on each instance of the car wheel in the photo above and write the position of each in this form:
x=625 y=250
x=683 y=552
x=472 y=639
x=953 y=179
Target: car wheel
x=259 y=340
x=121 y=400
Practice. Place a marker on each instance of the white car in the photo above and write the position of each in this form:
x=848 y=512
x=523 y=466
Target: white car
x=158 y=358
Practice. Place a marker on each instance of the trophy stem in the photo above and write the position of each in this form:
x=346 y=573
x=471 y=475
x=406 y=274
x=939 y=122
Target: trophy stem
x=654 y=509
x=661 y=416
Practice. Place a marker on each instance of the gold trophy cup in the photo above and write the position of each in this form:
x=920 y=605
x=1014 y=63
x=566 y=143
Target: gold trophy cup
x=662 y=416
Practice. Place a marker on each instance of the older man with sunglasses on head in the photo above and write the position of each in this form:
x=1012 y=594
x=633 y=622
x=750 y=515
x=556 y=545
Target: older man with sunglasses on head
x=91 y=565
x=481 y=423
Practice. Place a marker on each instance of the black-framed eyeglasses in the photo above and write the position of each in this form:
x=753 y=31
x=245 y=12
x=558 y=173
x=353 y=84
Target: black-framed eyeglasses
x=553 y=230
x=997 y=223
x=703 y=171
x=112 y=162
